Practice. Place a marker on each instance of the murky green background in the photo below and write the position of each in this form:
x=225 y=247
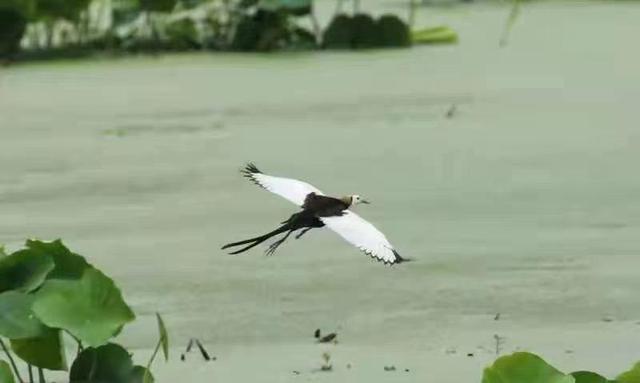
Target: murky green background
x=525 y=203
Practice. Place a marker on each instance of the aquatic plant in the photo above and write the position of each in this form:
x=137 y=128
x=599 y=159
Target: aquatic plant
x=434 y=35
x=13 y=24
x=365 y=32
x=339 y=33
x=79 y=28
x=514 y=13
x=47 y=292
x=361 y=31
x=393 y=32
x=183 y=34
x=524 y=367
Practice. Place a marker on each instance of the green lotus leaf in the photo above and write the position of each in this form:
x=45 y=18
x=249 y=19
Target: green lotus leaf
x=589 y=377
x=141 y=375
x=68 y=265
x=523 y=367
x=393 y=32
x=24 y=271
x=45 y=351
x=91 y=308
x=109 y=363
x=631 y=376
x=297 y=7
x=5 y=373
x=17 y=320
x=158 y=5
x=164 y=337
x=436 y=35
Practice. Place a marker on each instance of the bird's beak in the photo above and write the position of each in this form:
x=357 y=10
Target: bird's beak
x=365 y=202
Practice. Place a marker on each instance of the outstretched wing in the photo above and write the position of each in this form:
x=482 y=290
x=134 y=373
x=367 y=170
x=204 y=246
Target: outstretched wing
x=290 y=189
x=363 y=235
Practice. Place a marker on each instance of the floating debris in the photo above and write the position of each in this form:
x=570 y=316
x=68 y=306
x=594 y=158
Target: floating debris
x=189 y=346
x=452 y=111
x=389 y=368
x=203 y=351
x=499 y=342
x=497 y=317
x=332 y=337
x=326 y=366
x=328 y=338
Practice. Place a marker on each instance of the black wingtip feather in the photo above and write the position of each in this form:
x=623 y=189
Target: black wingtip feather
x=396 y=261
x=251 y=168
x=399 y=259
x=249 y=172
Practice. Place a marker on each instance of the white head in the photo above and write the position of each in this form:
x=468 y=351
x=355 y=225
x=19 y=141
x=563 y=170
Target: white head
x=356 y=199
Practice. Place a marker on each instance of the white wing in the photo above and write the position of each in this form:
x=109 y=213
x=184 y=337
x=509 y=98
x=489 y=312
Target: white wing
x=293 y=190
x=364 y=236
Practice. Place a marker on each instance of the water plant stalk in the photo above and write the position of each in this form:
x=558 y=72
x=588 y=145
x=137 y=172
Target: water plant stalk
x=317 y=30
x=412 y=13
x=78 y=342
x=153 y=356
x=511 y=20
x=13 y=362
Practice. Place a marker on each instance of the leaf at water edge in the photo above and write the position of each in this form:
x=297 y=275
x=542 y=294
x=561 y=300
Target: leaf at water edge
x=523 y=367
x=299 y=7
x=6 y=376
x=68 y=265
x=436 y=35
x=164 y=337
x=24 y=271
x=2 y=251
x=588 y=377
x=91 y=308
x=631 y=376
x=17 y=320
x=46 y=351
x=109 y=363
x=140 y=374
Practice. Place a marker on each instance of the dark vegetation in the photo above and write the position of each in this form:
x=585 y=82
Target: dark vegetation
x=50 y=296
x=523 y=367
x=41 y=29
x=361 y=31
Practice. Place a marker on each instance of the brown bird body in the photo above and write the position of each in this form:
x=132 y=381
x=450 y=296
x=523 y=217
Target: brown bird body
x=314 y=207
x=323 y=206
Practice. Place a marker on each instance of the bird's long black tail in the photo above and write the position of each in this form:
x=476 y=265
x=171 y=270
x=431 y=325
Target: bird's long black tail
x=257 y=240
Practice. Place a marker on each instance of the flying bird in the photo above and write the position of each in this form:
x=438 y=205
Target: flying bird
x=318 y=210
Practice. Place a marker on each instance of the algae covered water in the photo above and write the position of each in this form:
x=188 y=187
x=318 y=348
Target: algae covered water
x=523 y=203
